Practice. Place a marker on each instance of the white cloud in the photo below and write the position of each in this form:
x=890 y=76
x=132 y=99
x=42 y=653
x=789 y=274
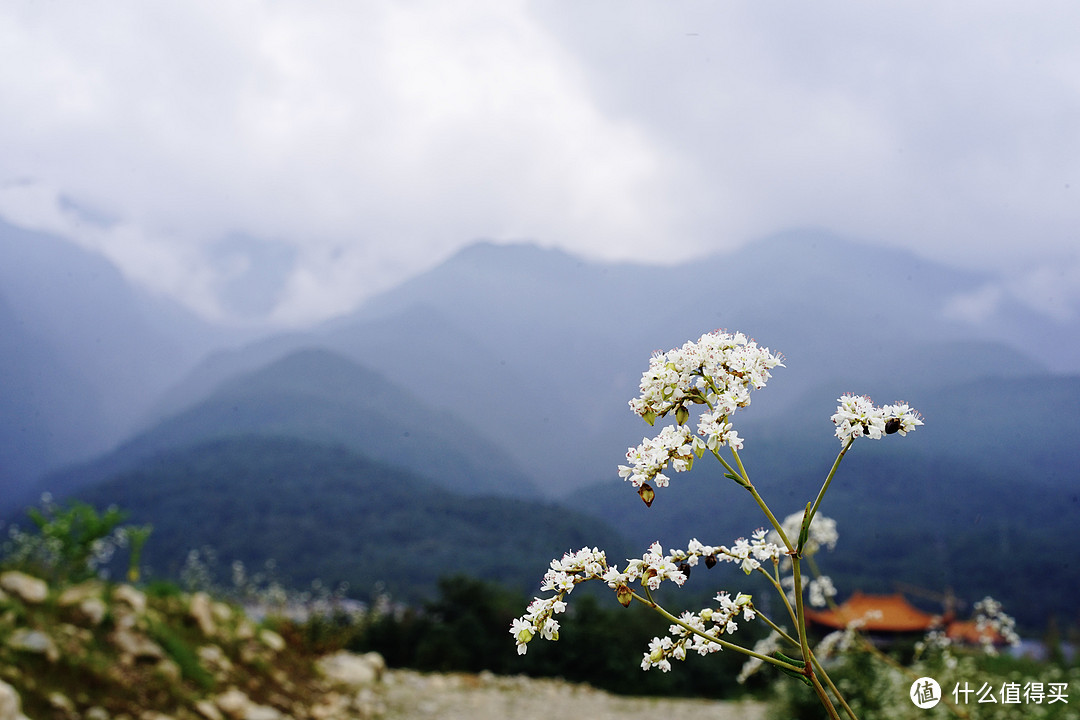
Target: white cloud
x=1052 y=290
x=164 y=266
x=378 y=137
x=379 y=134
x=976 y=307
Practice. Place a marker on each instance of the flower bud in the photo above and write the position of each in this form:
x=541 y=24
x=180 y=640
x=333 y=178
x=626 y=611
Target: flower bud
x=647 y=494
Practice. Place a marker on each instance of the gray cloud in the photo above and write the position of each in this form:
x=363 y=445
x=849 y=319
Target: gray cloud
x=368 y=141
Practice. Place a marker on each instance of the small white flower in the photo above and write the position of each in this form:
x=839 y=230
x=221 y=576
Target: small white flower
x=856 y=416
x=822 y=532
x=821 y=588
x=674 y=445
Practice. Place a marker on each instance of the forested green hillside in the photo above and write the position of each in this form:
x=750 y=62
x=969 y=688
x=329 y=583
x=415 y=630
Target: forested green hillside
x=325 y=513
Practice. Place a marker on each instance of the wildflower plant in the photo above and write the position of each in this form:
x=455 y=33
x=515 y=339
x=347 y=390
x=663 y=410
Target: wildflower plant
x=701 y=386
x=73 y=541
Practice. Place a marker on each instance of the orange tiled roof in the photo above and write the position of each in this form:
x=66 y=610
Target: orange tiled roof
x=896 y=614
x=967 y=632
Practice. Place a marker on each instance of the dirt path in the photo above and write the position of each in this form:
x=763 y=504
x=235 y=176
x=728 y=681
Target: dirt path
x=486 y=697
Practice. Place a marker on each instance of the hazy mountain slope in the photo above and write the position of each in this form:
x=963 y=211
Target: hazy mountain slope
x=575 y=335
x=540 y=350
x=327 y=513
x=321 y=396
x=48 y=410
x=86 y=348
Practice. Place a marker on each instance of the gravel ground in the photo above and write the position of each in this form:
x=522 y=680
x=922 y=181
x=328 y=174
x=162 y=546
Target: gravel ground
x=487 y=697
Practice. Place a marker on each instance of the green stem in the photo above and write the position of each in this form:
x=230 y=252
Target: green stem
x=824 y=697
x=746 y=483
x=800 y=611
x=835 y=690
x=776 y=628
x=817 y=664
x=828 y=479
x=783 y=595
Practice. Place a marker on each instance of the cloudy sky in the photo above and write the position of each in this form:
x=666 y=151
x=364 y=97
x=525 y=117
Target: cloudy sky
x=283 y=159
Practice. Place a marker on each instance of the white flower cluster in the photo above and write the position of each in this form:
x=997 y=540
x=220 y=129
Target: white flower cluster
x=822 y=532
x=837 y=642
x=651 y=570
x=821 y=589
x=718 y=371
x=856 y=416
x=648 y=460
x=992 y=623
x=749 y=554
x=586 y=564
x=709 y=623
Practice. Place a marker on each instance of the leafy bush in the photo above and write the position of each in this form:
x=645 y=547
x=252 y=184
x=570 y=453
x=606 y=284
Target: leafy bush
x=72 y=542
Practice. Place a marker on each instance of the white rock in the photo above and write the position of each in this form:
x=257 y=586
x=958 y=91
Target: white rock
x=96 y=713
x=208 y=710
x=26 y=587
x=233 y=702
x=33 y=641
x=351 y=669
x=262 y=712
x=136 y=646
x=94 y=610
x=272 y=640
x=202 y=613
x=131 y=597
x=222 y=612
x=77 y=593
x=214 y=657
x=10 y=703
x=86 y=597
x=61 y=702
x=238 y=706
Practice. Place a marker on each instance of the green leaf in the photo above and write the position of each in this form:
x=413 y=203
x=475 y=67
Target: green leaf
x=797 y=675
x=804 y=530
x=736 y=478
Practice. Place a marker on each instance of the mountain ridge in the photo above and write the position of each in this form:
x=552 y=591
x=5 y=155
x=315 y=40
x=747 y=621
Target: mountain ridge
x=318 y=395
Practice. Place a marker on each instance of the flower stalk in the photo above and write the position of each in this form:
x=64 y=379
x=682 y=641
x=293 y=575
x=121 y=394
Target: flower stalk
x=717 y=372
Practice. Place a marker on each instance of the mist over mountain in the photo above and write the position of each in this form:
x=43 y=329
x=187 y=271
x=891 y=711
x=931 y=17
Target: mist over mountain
x=506 y=371
x=83 y=351
x=49 y=408
x=540 y=350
